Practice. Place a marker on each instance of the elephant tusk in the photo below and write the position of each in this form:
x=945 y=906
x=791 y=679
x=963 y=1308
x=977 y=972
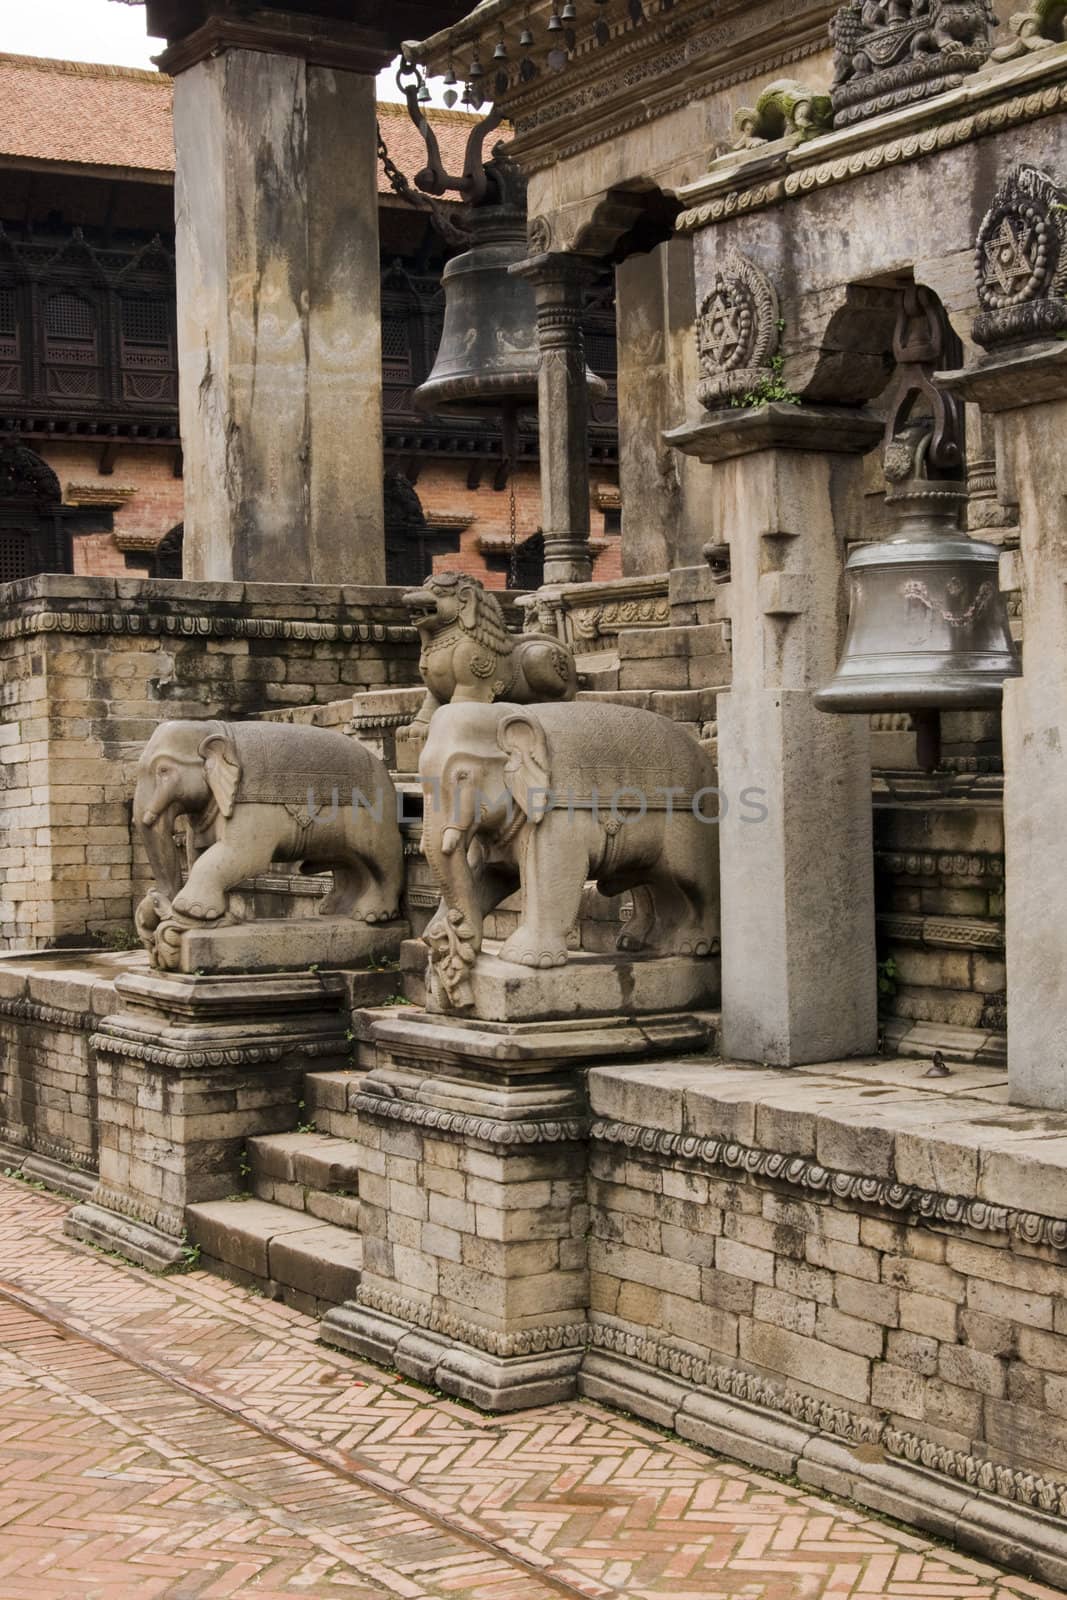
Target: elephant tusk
x=450 y=840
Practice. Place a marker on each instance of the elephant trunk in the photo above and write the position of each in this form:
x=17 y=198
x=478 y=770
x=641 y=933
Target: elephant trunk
x=155 y=829
x=455 y=937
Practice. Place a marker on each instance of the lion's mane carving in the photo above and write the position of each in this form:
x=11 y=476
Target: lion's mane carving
x=468 y=653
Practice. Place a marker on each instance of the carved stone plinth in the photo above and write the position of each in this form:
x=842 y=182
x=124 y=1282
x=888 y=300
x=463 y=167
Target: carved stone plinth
x=592 y=986
x=187 y=1069
x=472 y=1157
x=289 y=944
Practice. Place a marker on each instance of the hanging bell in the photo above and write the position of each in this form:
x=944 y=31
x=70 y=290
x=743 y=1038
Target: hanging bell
x=450 y=77
x=928 y=628
x=569 y=12
x=500 y=51
x=489 y=355
x=526 y=38
x=555 y=22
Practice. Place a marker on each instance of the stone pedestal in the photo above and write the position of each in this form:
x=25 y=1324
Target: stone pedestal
x=798 y=965
x=472 y=1153
x=1025 y=388
x=562 y=413
x=187 y=1069
x=291 y=944
x=279 y=344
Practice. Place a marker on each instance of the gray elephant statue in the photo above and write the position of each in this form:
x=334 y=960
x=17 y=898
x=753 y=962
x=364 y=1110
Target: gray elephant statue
x=253 y=793
x=544 y=798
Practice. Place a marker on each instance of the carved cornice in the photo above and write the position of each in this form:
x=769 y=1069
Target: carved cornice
x=940 y=863
x=525 y=1342
x=801 y=1172
x=811 y=173
x=942 y=932
x=490 y=1130
x=192 y=1059
x=1009 y=1483
x=23 y=1010
x=199 y=626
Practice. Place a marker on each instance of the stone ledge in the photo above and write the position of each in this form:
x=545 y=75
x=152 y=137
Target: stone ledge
x=868 y=1461
x=946 y=1151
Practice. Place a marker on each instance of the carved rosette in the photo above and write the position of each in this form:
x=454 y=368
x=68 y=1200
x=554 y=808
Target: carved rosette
x=1021 y=260
x=891 y=53
x=737 y=332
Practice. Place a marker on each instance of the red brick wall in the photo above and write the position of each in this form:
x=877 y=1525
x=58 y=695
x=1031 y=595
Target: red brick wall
x=152 y=511
x=442 y=488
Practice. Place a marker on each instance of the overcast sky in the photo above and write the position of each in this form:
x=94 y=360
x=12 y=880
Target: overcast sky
x=91 y=30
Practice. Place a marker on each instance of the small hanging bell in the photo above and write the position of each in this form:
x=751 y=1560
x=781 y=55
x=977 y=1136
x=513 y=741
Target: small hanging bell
x=569 y=12
x=423 y=96
x=476 y=71
x=928 y=628
x=555 y=22
x=500 y=51
x=450 y=77
x=526 y=38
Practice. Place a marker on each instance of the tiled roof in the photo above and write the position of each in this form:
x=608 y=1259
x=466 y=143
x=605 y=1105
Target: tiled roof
x=80 y=114
x=86 y=115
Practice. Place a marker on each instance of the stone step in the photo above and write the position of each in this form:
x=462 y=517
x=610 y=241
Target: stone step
x=289 y=1255
x=330 y=1098
x=313 y=1172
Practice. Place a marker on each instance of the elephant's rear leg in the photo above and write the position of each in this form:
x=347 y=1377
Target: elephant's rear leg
x=342 y=899
x=681 y=917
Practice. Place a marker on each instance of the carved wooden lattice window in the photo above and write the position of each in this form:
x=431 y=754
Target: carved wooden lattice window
x=149 y=369
x=70 y=346
x=18 y=553
x=10 y=382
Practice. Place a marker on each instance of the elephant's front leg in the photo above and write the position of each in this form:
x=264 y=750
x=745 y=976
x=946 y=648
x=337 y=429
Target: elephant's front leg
x=553 y=869
x=222 y=866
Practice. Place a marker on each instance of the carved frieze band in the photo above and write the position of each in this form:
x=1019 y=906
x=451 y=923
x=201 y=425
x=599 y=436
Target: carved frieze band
x=801 y=1172
x=435 y=1119
x=23 y=1010
x=524 y=1342
x=30 y=1144
x=107 y=1044
x=823 y=175
x=201 y=627
x=1024 y=1488
x=940 y=863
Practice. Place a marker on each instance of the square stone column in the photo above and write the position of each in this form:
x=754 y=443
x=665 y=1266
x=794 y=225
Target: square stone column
x=562 y=413
x=1024 y=387
x=279 y=342
x=798 y=952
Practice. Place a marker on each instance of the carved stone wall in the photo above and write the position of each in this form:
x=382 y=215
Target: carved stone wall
x=91 y=665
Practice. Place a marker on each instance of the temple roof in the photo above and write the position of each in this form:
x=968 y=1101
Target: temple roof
x=75 y=113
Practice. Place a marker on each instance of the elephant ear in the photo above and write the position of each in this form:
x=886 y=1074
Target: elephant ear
x=221 y=769
x=526 y=772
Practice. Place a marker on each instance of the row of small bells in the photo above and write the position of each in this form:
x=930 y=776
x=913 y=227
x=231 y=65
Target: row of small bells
x=928 y=628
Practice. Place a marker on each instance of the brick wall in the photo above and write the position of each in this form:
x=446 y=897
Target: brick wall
x=155 y=507
x=90 y=666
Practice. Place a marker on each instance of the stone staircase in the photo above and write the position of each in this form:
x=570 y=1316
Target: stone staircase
x=294 y=1234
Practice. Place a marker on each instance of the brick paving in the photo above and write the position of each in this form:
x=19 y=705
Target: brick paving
x=182 y=1438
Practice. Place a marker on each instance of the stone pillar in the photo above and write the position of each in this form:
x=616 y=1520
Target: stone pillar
x=562 y=413
x=279 y=341
x=1025 y=388
x=798 y=951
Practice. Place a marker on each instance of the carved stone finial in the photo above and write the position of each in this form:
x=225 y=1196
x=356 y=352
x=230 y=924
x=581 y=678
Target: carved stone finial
x=1037 y=29
x=737 y=332
x=1021 y=260
x=890 y=53
x=783 y=108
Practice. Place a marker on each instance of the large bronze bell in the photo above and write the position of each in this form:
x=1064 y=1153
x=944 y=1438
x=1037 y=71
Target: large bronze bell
x=488 y=356
x=927 y=629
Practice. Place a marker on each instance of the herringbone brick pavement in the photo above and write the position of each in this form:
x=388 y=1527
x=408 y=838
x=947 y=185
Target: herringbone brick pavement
x=182 y=1438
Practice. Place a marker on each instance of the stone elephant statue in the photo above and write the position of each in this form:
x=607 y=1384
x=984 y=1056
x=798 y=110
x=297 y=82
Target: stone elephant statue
x=245 y=788
x=546 y=797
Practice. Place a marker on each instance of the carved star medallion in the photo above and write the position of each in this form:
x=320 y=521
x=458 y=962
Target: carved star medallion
x=1007 y=264
x=721 y=330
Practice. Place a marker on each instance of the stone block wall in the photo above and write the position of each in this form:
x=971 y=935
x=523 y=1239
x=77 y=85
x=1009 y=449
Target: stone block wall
x=90 y=666
x=850 y=1254
x=49 y=1009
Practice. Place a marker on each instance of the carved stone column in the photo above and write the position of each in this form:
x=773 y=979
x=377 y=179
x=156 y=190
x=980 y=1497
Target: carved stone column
x=278 y=327
x=563 y=413
x=798 y=952
x=1021 y=270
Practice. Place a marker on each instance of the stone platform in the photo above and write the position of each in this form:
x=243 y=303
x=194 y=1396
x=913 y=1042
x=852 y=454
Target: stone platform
x=592 y=986
x=291 y=944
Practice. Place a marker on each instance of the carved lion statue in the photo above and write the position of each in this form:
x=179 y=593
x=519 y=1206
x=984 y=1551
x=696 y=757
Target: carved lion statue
x=468 y=653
